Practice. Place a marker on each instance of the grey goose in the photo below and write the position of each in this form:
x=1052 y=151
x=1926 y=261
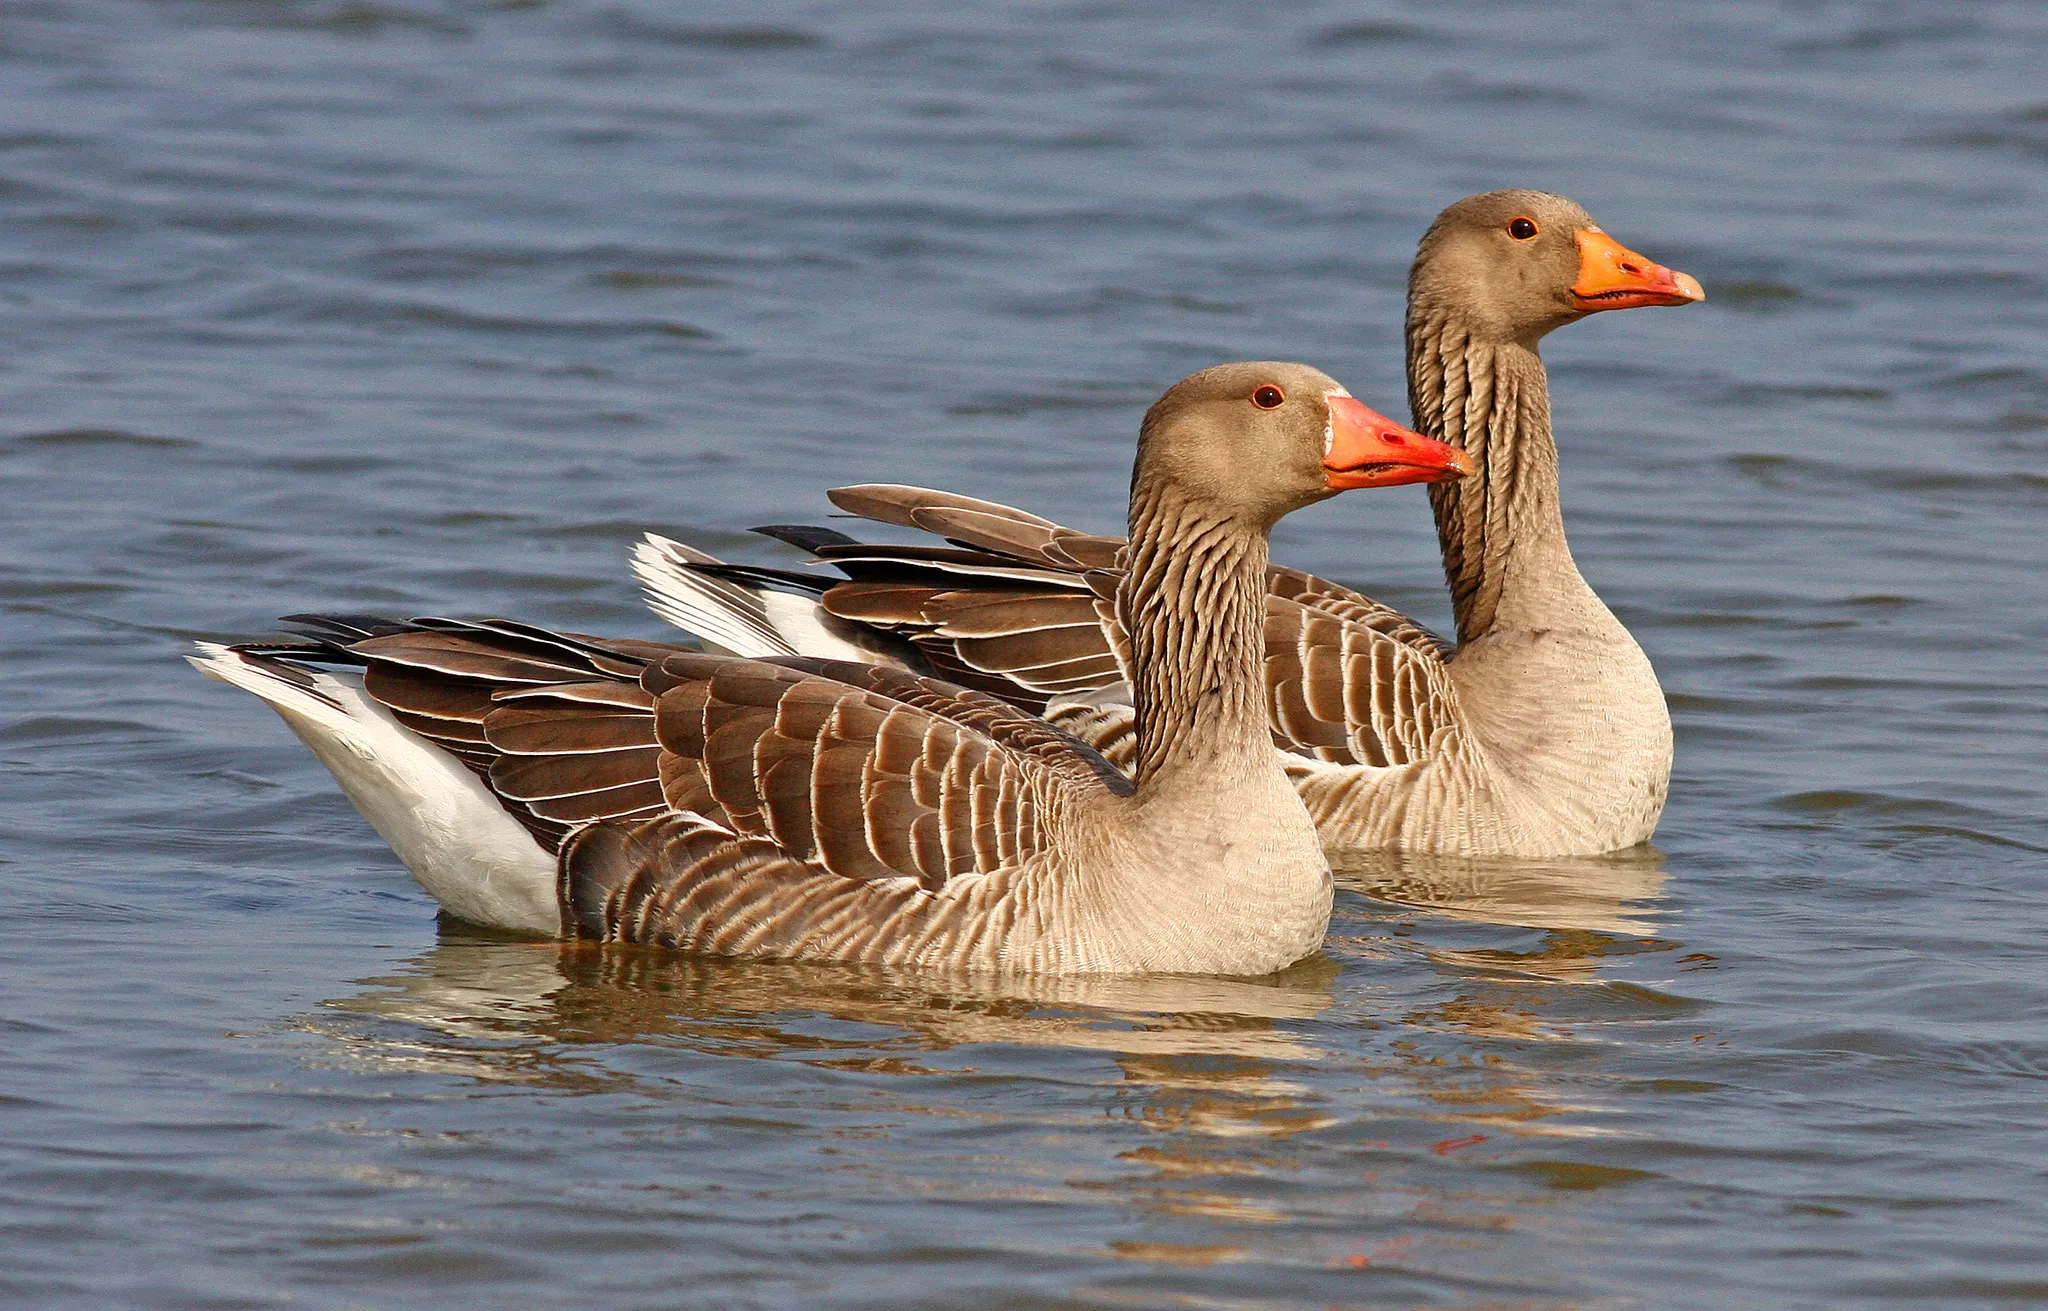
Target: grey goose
x=827 y=809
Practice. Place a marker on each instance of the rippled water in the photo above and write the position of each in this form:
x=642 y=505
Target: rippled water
x=432 y=308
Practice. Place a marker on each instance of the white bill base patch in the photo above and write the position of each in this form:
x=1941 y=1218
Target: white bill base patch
x=1330 y=420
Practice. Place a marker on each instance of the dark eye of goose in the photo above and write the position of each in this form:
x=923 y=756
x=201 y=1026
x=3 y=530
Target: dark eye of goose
x=1521 y=229
x=1269 y=397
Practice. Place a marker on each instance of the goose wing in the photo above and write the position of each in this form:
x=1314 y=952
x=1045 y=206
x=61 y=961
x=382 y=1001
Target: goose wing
x=863 y=772
x=871 y=773
x=1350 y=681
x=1022 y=607
x=1016 y=605
x=870 y=814
x=555 y=724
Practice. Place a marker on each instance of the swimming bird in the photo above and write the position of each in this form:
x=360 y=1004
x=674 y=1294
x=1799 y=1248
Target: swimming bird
x=1541 y=732
x=826 y=809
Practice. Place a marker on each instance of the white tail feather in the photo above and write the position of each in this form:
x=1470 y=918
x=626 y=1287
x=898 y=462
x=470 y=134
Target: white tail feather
x=754 y=622
x=727 y=617
x=465 y=850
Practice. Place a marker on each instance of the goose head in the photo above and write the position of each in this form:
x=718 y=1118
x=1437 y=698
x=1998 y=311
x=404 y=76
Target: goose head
x=1255 y=441
x=1513 y=265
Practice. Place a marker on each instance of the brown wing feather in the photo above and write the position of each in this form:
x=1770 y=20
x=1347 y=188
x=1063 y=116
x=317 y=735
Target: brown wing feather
x=897 y=504
x=559 y=775
x=1348 y=680
x=1000 y=530
x=1008 y=613
x=527 y=729
x=851 y=766
x=556 y=724
x=1111 y=728
x=729 y=805
x=680 y=881
x=641 y=798
x=1349 y=607
x=1021 y=642
x=1347 y=693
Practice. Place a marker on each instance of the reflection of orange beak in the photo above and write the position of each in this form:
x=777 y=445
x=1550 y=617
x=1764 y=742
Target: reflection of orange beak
x=1613 y=277
x=1371 y=450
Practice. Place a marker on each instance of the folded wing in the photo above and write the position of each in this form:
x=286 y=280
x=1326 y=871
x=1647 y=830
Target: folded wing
x=1021 y=607
x=708 y=800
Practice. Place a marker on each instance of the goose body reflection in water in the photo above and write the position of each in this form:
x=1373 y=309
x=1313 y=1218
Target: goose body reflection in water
x=1332 y=1114
x=1615 y=893
x=578 y=993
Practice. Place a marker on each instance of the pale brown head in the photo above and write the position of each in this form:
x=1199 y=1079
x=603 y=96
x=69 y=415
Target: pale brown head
x=1512 y=265
x=1258 y=440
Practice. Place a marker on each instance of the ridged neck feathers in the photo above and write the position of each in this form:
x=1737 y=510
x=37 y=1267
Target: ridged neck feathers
x=1193 y=603
x=1501 y=529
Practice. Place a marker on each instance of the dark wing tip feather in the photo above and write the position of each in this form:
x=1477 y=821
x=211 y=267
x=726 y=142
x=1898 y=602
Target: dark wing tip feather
x=346 y=627
x=781 y=580
x=296 y=651
x=808 y=537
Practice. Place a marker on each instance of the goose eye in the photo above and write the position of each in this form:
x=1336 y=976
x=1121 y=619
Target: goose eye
x=1269 y=397
x=1521 y=229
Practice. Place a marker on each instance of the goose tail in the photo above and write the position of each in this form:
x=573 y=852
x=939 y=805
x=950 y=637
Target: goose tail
x=754 y=613
x=473 y=857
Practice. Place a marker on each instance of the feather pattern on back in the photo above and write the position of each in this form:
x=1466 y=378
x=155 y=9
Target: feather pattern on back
x=780 y=781
x=1022 y=607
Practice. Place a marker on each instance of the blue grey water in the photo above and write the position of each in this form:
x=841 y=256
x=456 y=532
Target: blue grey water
x=431 y=306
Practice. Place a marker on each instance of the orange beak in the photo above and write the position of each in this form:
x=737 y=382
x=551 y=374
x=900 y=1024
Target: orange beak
x=1371 y=450
x=1613 y=277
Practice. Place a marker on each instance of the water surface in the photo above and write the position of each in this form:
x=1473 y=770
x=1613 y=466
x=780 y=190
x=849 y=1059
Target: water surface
x=433 y=307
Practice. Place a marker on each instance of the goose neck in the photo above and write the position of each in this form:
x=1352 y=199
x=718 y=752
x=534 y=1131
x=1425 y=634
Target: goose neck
x=1501 y=529
x=1193 y=602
